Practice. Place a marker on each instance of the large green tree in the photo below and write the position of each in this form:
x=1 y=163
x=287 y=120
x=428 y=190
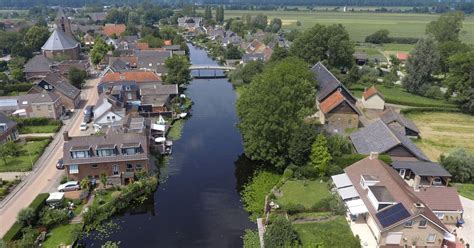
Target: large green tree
x=178 y=70
x=36 y=37
x=279 y=53
x=99 y=51
x=77 y=77
x=320 y=156
x=331 y=43
x=447 y=27
x=422 y=63
x=272 y=107
x=460 y=164
x=460 y=79
x=300 y=144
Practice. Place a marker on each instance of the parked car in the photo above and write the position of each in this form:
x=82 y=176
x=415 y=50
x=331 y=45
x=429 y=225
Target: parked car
x=438 y=182
x=60 y=164
x=83 y=126
x=69 y=186
x=88 y=114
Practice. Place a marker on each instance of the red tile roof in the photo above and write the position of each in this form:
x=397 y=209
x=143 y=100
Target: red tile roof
x=403 y=56
x=143 y=46
x=331 y=102
x=371 y=92
x=137 y=76
x=111 y=29
x=168 y=43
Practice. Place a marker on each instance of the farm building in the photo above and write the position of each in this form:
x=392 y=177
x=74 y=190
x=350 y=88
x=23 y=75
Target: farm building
x=373 y=99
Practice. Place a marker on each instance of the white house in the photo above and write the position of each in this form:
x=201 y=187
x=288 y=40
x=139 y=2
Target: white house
x=373 y=99
x=108 y=111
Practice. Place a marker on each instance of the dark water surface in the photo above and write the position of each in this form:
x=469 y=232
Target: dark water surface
x=198 y=205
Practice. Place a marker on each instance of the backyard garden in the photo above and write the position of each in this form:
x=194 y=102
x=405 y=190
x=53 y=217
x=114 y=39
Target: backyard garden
x=21 y=156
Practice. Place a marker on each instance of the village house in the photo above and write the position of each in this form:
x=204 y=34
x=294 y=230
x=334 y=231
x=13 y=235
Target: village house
x=97 y=16
x=113 y=30
x=137 y=76
x=360 y=58
x=70 y=96
x=376 y=195
x=108 y=111
x=156 y=99
x=44 y=104
x=8 y=104
x=189 y=22
x=373 y=99
x=400 y=123
x=40 y=66
x=380 y=138
x=8 y=129
x=118 y=156
x=328 y=84
x=253 y=57
x=152 y=60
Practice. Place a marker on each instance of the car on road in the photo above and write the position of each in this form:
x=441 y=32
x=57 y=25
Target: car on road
x=88 y=114
x=60 y=164
x=69 y=186
x=83 y=126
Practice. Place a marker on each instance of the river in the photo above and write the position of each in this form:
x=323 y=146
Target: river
x=198 y=205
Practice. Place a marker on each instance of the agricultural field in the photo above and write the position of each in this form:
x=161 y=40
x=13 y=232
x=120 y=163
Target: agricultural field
x=360 y=24
x=442 y=132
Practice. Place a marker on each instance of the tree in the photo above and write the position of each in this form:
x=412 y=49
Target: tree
x=279 y=53
x=99 y=51
x=178 y=70
x=220 y=14
x=460 y=79
x=300 y=144
x=9 y=149
x=103 y=179
x=422 y=63
x=208 y=13
x=251 y=69
x=26 y=216
x=447 y=27
x=320 y=156
x=460 y=164
x=77 y=77
x=85 y=183
x=270 y=117
x=331 y=43
x=52 y=217
x=447 y=50
x=233 y=52
x=275 y=25
x=259 y=21
x=339 y=145
x=280 y=233
x=379 y=37
x=353 y=76
x=36 y=37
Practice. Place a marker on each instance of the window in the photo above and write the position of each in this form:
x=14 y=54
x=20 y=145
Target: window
x=95 y=166
x=440 y=215
x=129 y=96
x=80 y=154
x=108 y=118
x=115 y=169
x=105 y=152
x=422 y=223
x=431 y=238
x=409 y=223
x=73 y=169
x=138 y=167
x=129 y=167
x=38 y=108
x=130 y=151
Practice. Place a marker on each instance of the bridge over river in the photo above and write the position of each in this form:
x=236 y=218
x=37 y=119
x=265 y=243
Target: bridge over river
x=214 y=68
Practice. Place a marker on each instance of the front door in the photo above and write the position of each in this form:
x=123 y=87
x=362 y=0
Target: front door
x=402 y=173
x=115 y=169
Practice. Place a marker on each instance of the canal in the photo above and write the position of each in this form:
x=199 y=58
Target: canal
x=198 y=205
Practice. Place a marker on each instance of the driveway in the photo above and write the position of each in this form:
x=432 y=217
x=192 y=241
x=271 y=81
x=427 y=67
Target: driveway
x=44 y=177
x=466 y=232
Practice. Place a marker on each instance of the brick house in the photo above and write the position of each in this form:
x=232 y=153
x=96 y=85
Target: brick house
x=70 y=96
x=8 y=129
x=118 y=156
x=338 y=113
x=45 y=104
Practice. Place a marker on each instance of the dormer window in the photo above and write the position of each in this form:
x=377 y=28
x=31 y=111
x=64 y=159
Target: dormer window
x=131 y=148
x=368 y=180
x=105 y=150
x=79 y=152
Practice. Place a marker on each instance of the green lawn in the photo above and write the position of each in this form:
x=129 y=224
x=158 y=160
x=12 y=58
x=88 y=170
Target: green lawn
x=333 y=233
x=60 y=235
x=309 y=215
x=32 y=149
x=393 y=47
x=303 y=192
x=176 y=130
x=466 y=190
x=442 y=132
x=398 y=95
x=360 y=24
x=40 y=129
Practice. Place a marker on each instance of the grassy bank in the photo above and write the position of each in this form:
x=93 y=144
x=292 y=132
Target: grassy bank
x=61 y=235
x=29 y=153
x=442 y=132
x=466 y=190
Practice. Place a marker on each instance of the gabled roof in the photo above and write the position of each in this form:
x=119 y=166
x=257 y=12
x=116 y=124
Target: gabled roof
x=62 y=85
x=152 y=59
x=440 y=198
x=111 y=29
x=378 y=137
x=97 y=16
x=334 y=100
x=59 y=41
x=4 y=119
x=422 y=168
x=159 y=89
x=137 y=76
x=390 y=116
x=327 y=82
x=38 y=63
x=372 y=91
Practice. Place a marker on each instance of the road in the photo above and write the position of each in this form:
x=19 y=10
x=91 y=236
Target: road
x=45 y=177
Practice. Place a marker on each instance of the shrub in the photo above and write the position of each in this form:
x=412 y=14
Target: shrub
x=434 y=92
x=288 y=173
x=307 y=172
x=251 y=239
x=26 y=216
x=281 y=234
x=429 y=109
x=38 y=203
x=323 y=205
x=6 y=89
x=13 y=233
x=253 y=194
x=460 y=164
x=293 y=208
x=53 y=217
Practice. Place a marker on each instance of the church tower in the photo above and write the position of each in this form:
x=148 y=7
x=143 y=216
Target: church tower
x=63 y=23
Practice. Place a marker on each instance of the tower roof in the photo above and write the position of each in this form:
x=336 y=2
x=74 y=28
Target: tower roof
x=59 y=41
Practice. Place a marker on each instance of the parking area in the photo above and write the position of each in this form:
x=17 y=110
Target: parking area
x=361 y=229
x=467 y=230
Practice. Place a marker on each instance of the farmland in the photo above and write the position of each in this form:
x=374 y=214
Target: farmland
x=360 y=24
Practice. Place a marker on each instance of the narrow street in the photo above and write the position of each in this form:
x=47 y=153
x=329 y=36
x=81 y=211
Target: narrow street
x=44 y=177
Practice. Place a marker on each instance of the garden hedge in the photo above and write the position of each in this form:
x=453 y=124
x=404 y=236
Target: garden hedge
x=431 y=109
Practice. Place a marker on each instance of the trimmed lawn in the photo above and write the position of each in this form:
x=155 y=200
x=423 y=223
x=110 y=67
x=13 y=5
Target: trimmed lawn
x=306 y=193
x=40 y=129
x=23 y=162
x=393 y=48
x=60 y=235
x=333 y=233
x=466 y=190
x=398 y=95
x=442 y=132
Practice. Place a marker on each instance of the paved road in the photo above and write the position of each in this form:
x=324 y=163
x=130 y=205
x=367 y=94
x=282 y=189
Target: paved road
x=44 y=177
x=467 y=230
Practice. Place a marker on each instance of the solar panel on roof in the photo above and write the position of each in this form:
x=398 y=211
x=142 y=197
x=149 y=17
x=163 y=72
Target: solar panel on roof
x=392 y=215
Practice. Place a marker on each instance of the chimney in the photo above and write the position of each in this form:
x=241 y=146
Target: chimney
x=416 y=183
x=418 y=207
x=66 y=136
x=373 y=155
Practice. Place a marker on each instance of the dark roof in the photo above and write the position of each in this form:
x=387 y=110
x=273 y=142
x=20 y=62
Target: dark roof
x=252 y=57
x=6 y=120
x=98 y=16
x=381 y=193
x=44 y=97
x=159 y=89
x=59 y=41
x=154 y=100
x=327 y=82
x=422 y=168
x=390 y=116
x=118 y=65
x=83 y=142
x=152 y=59
x=62 y=85
x=378 y=137
x=392 y=215
x=172 y=47
x=38 y=63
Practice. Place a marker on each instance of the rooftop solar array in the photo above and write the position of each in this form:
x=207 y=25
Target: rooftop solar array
x=392 y=215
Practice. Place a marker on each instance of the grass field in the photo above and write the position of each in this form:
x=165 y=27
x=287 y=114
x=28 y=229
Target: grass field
x=23 y=162
x=60 y=235
x=442 y=132
x=360 y=24
x=398 y=95
x=306 y=193
x=333 y=233
x=40 y=129
x=466 y=190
